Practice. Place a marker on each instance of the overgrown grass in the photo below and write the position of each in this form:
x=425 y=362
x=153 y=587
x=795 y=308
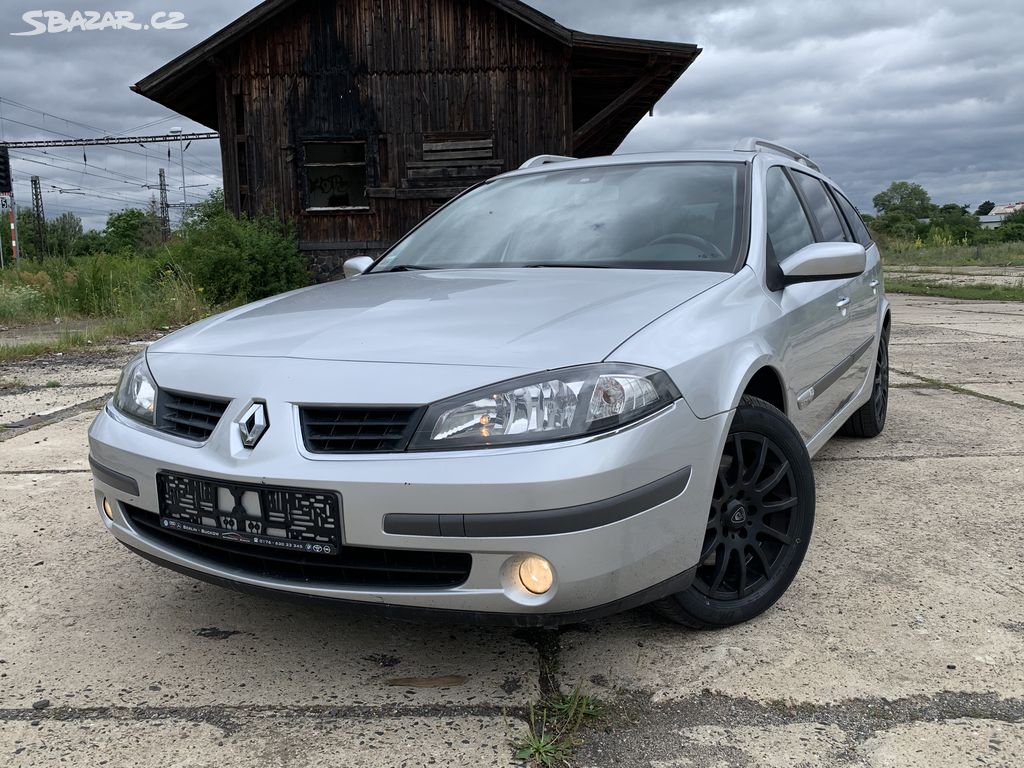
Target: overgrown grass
x=135 y=291
x=975 y=291
x=124 y=280
x=555 y=726
x=897 y=252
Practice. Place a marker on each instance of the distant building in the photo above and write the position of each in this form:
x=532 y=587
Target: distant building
x=998 y=213
x=1006 y=210
x=357 y=118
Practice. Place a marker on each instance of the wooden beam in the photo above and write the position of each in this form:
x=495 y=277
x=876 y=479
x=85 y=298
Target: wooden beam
x=497 y=162
x=442 y=146
x=585 y=131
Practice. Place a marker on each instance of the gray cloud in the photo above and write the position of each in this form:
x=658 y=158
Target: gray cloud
x=875 y=91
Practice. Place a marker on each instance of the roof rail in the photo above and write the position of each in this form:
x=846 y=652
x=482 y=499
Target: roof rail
x=533 y=162
x=753 y=144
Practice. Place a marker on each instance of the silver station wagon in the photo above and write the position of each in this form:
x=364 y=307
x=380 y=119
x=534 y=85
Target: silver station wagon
x=582 y=386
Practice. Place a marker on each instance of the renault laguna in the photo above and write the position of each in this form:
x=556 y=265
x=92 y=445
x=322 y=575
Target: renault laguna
x=579 y=387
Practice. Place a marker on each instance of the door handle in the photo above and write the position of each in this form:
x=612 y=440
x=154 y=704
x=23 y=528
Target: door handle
x=843 y=303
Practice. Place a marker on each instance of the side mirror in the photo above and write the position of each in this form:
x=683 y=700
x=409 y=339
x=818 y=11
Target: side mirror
x=824 y=261
x=356 y=266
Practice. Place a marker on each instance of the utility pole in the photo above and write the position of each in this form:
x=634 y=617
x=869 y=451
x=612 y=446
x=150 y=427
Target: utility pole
x=7 y=200
x=184 y=194
x=40 y=216
x=165 y=211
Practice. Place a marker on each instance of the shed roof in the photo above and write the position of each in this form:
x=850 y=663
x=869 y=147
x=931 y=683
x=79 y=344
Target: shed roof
x=616 y=80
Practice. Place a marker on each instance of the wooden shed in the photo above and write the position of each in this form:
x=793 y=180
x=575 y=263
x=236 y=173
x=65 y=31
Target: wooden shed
x=357 y=118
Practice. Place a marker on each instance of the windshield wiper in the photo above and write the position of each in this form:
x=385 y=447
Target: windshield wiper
x=566 y=264
x=409 y=268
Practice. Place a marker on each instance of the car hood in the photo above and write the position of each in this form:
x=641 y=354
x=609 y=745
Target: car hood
x=517 y=318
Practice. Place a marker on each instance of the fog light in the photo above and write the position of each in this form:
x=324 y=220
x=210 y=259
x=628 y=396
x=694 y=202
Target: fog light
x=107 y=509
x=536 y=575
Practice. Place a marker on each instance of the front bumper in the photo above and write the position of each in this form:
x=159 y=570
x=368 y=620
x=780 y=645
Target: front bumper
x=620 y=516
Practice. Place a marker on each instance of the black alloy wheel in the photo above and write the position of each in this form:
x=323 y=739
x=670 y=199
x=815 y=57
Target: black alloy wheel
x=752 y=527
x=758 y=525
x=869 y=420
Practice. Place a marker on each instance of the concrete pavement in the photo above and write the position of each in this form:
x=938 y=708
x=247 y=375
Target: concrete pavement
x=901 y=643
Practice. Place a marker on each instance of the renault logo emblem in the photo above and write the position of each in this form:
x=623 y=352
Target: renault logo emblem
x=253 y=423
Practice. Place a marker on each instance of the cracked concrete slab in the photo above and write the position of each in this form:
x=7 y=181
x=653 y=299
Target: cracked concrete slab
x=1010 y=391
x=83 y=622
x=772 y=747
x=912 y=571
x=993 y=429
x=900 y=643
x=954 y=743
x=961 y=363
x=21 y=406
x=825 y=745
x=58 y=448
x=274 y=739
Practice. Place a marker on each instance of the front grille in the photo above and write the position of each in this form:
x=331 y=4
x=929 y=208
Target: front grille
x=190 y=416
x=352 y=566
x=357 y=430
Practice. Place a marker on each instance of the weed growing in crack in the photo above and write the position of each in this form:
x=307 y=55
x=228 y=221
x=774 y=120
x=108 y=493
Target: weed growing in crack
x=555 y=725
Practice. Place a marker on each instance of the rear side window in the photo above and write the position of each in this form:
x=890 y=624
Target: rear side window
x=788 y=228
x=860 y=232
x=822 y=210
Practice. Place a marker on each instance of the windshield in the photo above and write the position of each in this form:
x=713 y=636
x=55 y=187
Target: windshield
x=657 y=216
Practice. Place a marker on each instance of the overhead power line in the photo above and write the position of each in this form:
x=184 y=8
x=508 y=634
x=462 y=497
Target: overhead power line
x=109 y=140
x=148 y=153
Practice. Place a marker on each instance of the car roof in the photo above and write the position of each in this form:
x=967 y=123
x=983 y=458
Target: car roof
x=649 y=158
x=637 y=158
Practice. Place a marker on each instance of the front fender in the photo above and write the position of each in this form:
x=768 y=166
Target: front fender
x=714 y=344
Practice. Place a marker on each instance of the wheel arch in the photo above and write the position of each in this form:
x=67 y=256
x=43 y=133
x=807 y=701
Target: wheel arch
x=732 y=369
x=765 y=383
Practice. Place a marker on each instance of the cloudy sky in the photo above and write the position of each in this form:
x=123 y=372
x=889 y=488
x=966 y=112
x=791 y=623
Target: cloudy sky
x=931 y=92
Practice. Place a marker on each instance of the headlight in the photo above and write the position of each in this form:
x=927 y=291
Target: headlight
x=555 y=405
x=137 y=391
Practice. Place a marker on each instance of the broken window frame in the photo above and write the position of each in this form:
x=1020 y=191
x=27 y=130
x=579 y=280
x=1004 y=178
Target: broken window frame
x=363 y=164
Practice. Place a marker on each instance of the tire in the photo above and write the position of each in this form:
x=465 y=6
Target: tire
x=869 y=420
x=759 y=523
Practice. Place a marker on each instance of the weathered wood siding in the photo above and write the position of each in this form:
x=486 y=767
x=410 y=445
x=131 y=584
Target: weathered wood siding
x=389 y=72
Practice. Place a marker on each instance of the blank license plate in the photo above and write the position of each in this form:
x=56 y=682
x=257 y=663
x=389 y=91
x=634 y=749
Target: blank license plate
x=289 y=519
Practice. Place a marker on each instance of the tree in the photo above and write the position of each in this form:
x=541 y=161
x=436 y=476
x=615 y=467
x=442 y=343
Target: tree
x=985 y=208
x=205 y=211
x=132 y=230
x=904 y=197
x=28 y=234
x=90 y=243
x=896 y=224
x=956 y=220
x=63 y=234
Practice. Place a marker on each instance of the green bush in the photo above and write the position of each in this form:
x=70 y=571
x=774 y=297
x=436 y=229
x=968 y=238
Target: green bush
x=1012 y=232
x=237 y=260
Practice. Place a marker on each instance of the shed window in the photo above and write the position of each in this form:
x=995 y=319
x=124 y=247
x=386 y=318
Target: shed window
x=336 y=175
